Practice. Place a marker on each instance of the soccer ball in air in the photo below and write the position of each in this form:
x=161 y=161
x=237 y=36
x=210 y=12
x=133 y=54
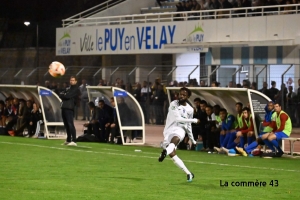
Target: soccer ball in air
x=56 y=69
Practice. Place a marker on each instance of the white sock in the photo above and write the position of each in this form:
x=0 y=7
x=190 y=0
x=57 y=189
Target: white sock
x=180 y=164
x=170 y=148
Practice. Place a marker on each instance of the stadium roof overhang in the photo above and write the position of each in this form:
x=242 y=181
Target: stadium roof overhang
x=281 y=42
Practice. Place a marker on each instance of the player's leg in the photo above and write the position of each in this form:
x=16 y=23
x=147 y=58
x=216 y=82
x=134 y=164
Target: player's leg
x=177 y=161
x=264 y=137
x=273 y=138
x=250 y=136
x=169 y=144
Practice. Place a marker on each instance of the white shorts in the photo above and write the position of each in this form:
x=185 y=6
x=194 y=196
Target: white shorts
x=178 y=132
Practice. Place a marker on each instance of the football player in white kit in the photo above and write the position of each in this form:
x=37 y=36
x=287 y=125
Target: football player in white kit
x=179 y=119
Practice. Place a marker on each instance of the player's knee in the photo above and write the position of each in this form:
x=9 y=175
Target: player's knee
x=172 y=154
x=265 y=136
x=272 y=137
x=250 y=134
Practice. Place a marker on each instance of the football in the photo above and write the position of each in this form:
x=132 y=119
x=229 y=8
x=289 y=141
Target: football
x=56 y=69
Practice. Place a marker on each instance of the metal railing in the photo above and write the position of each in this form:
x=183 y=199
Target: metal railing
x=89 y=12
x=183 y=16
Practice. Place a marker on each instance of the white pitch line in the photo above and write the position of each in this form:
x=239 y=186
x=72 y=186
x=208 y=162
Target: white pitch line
x=130 y=155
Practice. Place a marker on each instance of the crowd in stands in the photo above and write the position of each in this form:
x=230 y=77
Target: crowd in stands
x=195 y=5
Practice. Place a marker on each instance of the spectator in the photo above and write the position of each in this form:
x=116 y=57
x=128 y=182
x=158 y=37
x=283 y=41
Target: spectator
x=12 y=115
x=253 y=86
x=101 y=83
x=214 y=84
x=203 y=120
x=264 y=89
x=246 y=83
x=29 y=104
x=202 y=83
x=216 y=4
x=158 y=102
x=122 y=85
x=210 y=127
x=291 y=104
x=273 y=91
x=137 y=92
x=84 y=100
x=23 y=116
x=48 y=85
x=195 y=127
x=93 y=124
x=145 y=94
x=281 y=96
x=105 y=117
x=35 y=121
x=239 y=85
x=159 y=2
x=298 y=103
x=128 y=88
x=2 y=117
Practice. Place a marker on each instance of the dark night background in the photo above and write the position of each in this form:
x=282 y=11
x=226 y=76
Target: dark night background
x=48 y=14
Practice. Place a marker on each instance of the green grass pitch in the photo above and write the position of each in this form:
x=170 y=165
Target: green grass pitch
x=44 y=169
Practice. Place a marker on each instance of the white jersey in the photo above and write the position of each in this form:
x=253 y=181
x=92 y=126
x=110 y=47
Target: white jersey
x=179 y=121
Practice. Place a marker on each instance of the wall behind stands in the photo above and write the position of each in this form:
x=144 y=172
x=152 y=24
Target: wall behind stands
x=150 y=38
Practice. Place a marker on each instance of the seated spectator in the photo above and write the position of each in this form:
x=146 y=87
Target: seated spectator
x=12 y=106
x=268 y=125
x=93 y=124
x=104 y=118
x=210 y=126
x=35 y=121
x=225 y=4
x=29 y=104
x=287 y=9
x=2 y=117
x=159 y=2
x=227 y=126
x=188 y=5
x=283 y=130
x=216 y=4
x=23 y=117
x=195 y=127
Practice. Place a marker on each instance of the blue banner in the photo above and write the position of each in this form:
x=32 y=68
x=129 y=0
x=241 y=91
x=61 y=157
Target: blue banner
x=45 y=93
x=120 y=94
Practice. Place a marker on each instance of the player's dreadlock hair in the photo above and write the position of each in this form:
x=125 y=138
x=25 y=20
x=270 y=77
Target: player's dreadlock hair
x=188 y=91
